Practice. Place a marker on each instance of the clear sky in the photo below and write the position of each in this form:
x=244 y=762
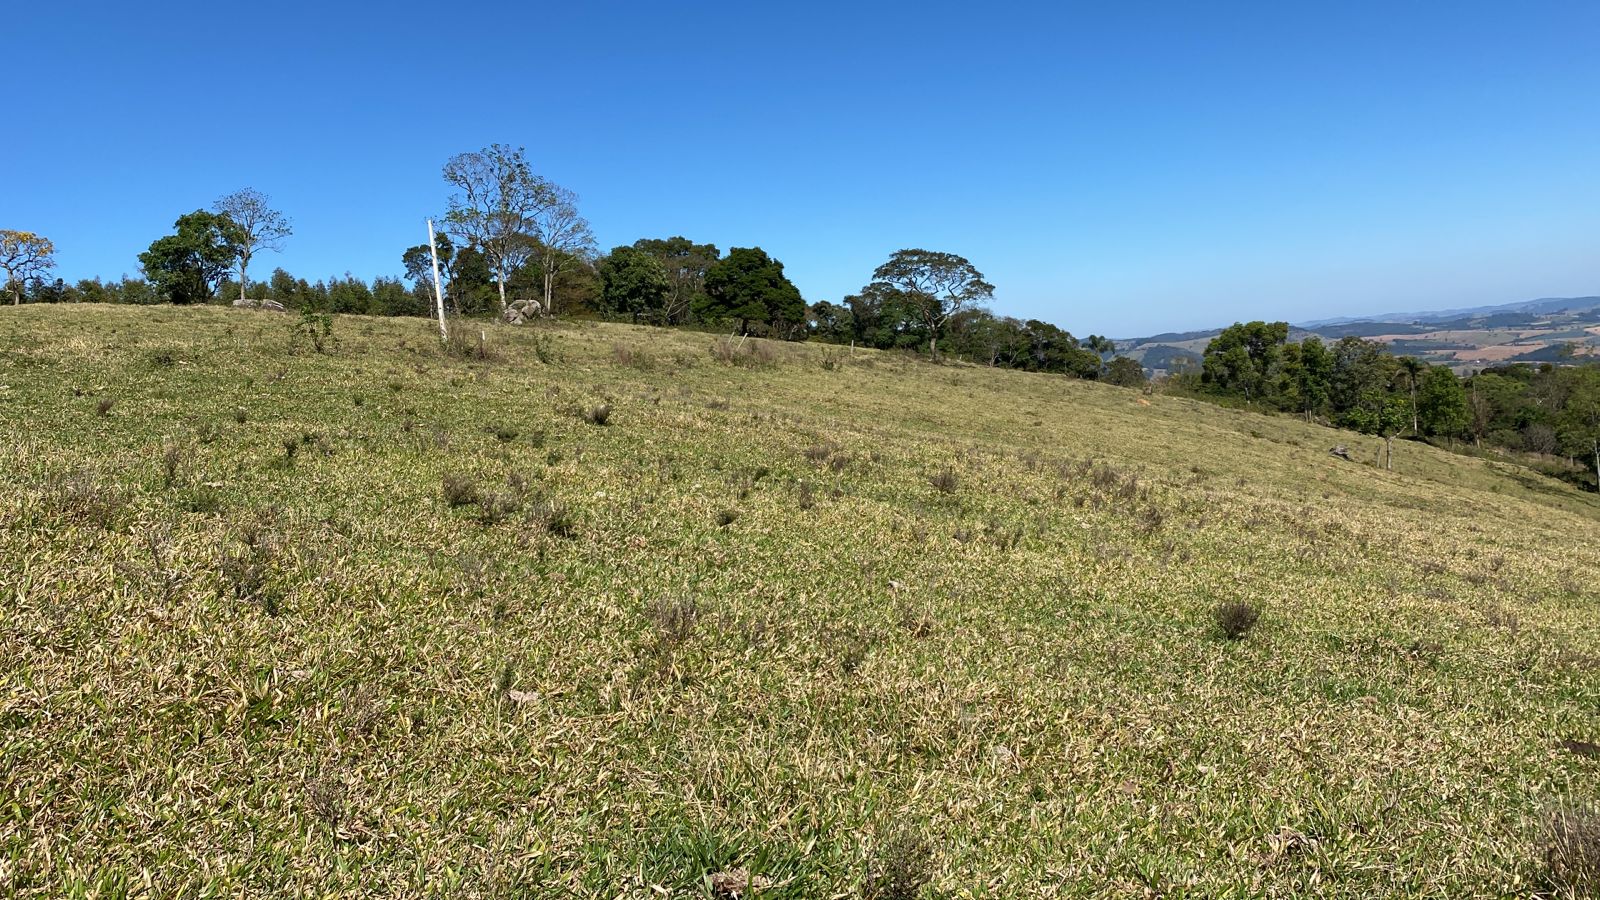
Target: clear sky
x=1117 y=168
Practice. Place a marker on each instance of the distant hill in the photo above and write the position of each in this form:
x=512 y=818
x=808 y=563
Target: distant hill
x=1464 y=339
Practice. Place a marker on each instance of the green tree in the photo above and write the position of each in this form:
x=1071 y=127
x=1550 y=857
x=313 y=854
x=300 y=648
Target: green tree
x=747 y=287
x=186 y=266
x=24 y=255
x=1241 y=358
x=1579 y=422
x=935 y=285
x=686 y=264
x=1125 y=372
x=1442 y=403
x=1315 y=365
x=1411 y=369
x=635 y=283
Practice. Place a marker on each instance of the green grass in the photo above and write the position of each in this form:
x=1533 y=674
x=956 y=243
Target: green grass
x=834 y=619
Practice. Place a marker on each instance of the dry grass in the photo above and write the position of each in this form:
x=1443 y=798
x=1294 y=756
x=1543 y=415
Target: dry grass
x=332 y=683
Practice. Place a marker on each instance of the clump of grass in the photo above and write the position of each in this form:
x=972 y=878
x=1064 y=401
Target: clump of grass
x=945 y=481
x=239 y=415
x=746 y=353
x=80 y=499
x=900 y=869
x=459 y=490
x=727 y=517
x=102 y=407
x=503 y=433
x=163 y=359
x=171 y=462
x=326 y=798
x=674 y=618
x=805 y=497
x=632 y=357
x=201 y=500
x=247 y=572
x=599 y=414
x=1571 y=843
x=1235 y=618
x=552 y=517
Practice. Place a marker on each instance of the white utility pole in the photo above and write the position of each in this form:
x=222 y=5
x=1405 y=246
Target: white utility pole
x=438 y=290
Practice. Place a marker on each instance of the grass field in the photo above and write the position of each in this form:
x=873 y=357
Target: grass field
x=832 y=624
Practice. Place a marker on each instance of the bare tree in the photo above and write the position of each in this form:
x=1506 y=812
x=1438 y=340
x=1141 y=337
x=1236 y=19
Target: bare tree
x=24 y=255
x=260 y=227
x=563 y=235
x=496 y=207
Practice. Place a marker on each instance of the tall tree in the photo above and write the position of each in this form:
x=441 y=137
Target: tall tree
x=186 y=266
x=1411 y=369
x=563 y=236
x=24 y=255
x=418 y=261
x=1441 y=403
x=1241 y=359
x=260 y=227
x=748 y=286
x=937 y=285
x=686 y=263
x=496 y=207
x=634 y=282
x=1580 y=417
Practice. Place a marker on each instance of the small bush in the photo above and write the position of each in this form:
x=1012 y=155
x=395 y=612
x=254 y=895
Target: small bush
x=103 y=406
x=1572 y=850
x=1235 y=618
x=900 y=869
x=459 y=490
x=945 y=481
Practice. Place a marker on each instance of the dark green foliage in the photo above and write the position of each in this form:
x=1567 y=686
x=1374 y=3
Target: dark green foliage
x=186 y=266
x=1125 y=372
x=929 y=287
x=634 y=283
x=1442 y=404
x=749 y=288
x=1243 y=357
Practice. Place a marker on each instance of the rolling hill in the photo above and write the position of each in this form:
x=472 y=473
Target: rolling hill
x=604 y=611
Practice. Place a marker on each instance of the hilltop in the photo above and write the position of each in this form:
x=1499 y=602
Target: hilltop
x=596 y=610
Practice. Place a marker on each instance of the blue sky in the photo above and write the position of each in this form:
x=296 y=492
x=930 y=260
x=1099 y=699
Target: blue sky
x=1114 y=168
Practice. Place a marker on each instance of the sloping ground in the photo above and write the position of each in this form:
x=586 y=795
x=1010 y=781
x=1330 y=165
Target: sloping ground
x=800 y=618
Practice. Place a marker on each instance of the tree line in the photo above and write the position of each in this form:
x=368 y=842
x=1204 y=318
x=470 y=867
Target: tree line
x=1544 y=409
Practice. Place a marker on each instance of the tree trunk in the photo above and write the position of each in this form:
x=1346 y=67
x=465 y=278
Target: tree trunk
x=549 y=290
x=1597 y=466
x=500 y=280
x=1388 y=453
x=244 y=261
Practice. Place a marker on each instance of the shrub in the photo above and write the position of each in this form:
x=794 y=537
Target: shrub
x=599 y=414
x=945 y=481
x=900 y=869
x=1235 y=618
x=313 y=328
x=459 y=490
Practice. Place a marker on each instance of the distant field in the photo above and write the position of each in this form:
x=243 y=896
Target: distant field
x=605 y=615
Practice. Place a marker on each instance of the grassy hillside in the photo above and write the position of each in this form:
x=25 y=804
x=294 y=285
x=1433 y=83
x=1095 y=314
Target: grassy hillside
x=821 y=617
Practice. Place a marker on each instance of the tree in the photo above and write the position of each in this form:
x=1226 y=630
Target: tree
x=748 y=286
x=936 y=285
x=633 y=282
x=1441 y=404
x=24 y=255
x=1412 y=369
x=496 y=207
x=1579 y=422
x=260 y=227
x=185 y=267
x=686 y=264
x=563 y=235
x=418 y=261
x=1241 y=359
x=1315 y=364
x=1125 y=372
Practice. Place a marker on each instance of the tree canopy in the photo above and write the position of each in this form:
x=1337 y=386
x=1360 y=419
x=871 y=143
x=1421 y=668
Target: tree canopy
x=186 y=266
x=748 y=287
